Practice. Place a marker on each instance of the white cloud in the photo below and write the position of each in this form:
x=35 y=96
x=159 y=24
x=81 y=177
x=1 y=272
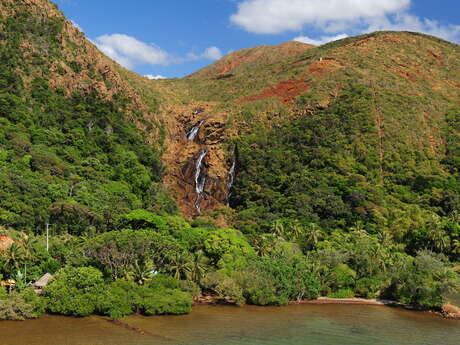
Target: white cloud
x=212 y=53
x=276 y=16
x=154 y=77
x=408 y=22
x=129 y=52
x=319 y=41
x=330 y=18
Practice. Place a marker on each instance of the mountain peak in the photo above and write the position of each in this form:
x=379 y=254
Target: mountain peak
x=251 y=58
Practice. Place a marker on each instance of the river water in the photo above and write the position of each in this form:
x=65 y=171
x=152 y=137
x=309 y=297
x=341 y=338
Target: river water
x=224 y=325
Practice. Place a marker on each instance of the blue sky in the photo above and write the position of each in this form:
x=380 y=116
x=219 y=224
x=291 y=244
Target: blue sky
x=173 y=38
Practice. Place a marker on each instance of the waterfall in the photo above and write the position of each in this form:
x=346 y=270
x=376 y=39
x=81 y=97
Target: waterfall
x=191 y=135
x=200 y=179
x=231 y=174
x=231 y=179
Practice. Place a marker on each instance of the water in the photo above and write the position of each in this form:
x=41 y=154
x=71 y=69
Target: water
x=220 y=325
x=200 y=179
x=194 y=131
x=231 y=175
x=231 y=180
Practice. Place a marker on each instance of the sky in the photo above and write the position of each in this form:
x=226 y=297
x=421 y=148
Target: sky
x=173 y=38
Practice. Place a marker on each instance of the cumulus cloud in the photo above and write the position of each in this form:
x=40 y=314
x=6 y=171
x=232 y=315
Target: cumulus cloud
x=276 y=16
x=130 y=52
x=319 y=41
x=154 y=77
x=333 y=19
x=212 y=53
x=408 y=22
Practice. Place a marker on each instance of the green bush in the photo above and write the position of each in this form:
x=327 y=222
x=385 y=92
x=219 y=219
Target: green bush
x=37 y=302
x=158 y=296
x=368 y=287
x=16 y=308
x=423 y=281
x=3 y=293
x=226 y=288
x=74 y=291
x=160 y=302
x=279 y=280
x=118 y=299
x=343 y=293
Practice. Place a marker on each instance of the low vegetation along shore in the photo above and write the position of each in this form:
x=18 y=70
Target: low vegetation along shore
x=162 y=264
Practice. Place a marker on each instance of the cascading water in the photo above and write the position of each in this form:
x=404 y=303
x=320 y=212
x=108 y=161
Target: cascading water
x=231 y=179
x=200 y=179
x=191 y=135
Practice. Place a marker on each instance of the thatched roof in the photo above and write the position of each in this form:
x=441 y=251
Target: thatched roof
x=43 y=281
x=5 y=242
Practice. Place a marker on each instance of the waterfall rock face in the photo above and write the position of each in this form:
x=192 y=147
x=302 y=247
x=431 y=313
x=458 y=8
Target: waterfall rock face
x=231 y=179
x=200 y=179
x=191 y=135
x=198 y=158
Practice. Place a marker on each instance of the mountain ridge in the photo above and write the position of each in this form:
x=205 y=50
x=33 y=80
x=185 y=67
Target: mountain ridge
x=292 y=79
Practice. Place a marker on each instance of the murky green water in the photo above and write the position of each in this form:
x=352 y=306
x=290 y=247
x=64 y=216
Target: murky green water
x=219 y=325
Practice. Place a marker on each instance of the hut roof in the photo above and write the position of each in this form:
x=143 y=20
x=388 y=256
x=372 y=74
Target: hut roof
x=43 y=281
x=5 y=242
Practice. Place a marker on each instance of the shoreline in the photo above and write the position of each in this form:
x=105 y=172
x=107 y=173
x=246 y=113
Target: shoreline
x=350 y=301
x=447 y=311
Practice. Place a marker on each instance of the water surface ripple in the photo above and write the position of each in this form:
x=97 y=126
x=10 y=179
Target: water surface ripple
x=220 y=325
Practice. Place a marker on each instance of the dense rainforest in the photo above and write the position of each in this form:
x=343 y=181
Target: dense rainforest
x=319 y=204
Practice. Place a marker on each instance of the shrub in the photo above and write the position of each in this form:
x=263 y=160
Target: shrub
x=226 y=288
x=423 y=281
x=343 y=293
x=16 y=308
x=3 y=293
x=278 y=281
x=118 y=299
x=38 y=303
x=156 y=302
x=368 y=287
x=74 y=291
x=158 y=296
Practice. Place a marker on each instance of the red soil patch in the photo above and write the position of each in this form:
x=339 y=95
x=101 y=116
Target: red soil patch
x=232 y=64
x=285 y=91
x=436 y=56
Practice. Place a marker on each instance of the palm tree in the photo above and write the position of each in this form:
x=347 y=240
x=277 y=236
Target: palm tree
x=13 y=257
x=314 y=235
x=198 y=266
x=180 y=266
x=296 y=230
x=278 y=228
x=456 y=246
x=28 y=244
x=440 y=240
x=139 y=272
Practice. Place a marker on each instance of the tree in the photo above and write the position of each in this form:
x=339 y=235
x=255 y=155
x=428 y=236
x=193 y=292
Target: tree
x=74 y=291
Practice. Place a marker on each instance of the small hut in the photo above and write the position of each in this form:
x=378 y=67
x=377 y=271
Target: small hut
x=42 y=282
x=5 y=242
